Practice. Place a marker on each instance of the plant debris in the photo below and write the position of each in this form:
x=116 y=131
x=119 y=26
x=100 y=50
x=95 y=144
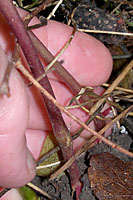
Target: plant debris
x=110 y=177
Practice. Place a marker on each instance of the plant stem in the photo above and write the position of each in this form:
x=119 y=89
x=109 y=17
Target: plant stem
x=59 y=128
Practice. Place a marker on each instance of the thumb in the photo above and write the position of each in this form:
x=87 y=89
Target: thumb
x=17 y=166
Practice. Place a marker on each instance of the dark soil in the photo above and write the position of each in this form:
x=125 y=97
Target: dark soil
x=59 y=189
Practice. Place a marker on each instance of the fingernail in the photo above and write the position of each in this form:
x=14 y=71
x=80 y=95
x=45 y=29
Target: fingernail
x=31 y=164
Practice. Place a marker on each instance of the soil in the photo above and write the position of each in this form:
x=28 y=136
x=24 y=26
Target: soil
x=60 y=189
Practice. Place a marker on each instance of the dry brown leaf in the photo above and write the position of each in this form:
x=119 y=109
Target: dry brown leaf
x=110 y=177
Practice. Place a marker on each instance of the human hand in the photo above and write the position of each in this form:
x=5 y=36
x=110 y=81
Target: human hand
x=24 y=120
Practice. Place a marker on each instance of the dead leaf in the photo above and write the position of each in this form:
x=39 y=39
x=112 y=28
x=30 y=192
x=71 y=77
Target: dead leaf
x=110 y=177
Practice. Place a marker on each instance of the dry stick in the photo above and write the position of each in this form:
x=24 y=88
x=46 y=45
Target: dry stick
x=105 y=32
x=52 y=14
x=112 y=87
x=37 y=189
x=118 y=88
x=88 y=145
x=27 y=19
x=111 y=123
x=60 y=130
x=76 y=119
x=117 y=7
x=49 y=67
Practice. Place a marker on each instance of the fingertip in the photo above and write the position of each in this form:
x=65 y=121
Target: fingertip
x=86 y=58
x=17 y=166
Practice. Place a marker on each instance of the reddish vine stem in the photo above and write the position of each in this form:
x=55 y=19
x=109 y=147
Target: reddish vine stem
x=59 y=128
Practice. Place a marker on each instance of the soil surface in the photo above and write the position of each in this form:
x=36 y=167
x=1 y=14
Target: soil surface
x=59 y=189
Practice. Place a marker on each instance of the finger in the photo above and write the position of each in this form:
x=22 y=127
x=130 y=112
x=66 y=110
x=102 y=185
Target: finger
x=12 y=194
x=38 y=117
x=89 y=68
x=35 y=140
x=86 y=58
x=17 y=166
x=64 y=96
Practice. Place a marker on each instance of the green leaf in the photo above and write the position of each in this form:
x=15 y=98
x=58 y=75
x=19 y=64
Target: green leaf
x=27 y=193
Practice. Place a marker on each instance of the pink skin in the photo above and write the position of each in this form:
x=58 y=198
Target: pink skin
x=24 y=120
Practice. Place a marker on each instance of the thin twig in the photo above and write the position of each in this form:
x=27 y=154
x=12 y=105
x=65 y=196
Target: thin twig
x=112 y=86
x=91 y=118
x=118 y=88
x=43 y=22
x=88 y=145
x=76 y=119
x=52 y=14
x=37 y=189
x=50 y=67
x=117 y=7
x=105 y=32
